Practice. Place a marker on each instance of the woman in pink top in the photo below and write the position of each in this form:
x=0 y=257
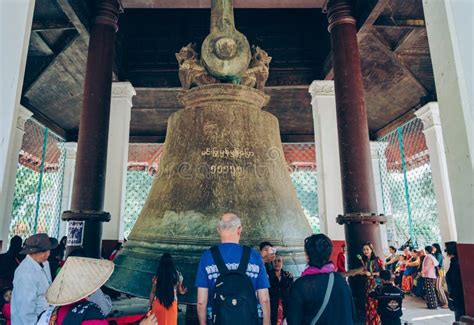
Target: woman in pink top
x=428 y=272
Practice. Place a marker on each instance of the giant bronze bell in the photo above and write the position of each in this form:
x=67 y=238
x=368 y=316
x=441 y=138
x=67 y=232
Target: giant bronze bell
x=222 y=153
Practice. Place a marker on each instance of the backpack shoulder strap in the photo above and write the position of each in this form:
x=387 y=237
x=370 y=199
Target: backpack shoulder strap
x=326 y=299
x=216 y=255
x=244 y=260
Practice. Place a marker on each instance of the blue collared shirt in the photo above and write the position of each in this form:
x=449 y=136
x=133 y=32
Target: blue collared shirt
x=29 y=289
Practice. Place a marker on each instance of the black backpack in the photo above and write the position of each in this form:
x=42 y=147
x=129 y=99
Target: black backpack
x=234 y=300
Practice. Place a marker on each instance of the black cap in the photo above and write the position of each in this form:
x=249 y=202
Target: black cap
x=39 y=243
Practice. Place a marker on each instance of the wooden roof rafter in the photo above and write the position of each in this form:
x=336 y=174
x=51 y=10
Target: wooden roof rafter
x=388 y=51
x=67 y=40
x=78 y=14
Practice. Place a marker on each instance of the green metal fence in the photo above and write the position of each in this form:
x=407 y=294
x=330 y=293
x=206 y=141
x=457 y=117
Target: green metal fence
x=301 y=158
x=407 y=187
x=143 y=161
x=39 y=181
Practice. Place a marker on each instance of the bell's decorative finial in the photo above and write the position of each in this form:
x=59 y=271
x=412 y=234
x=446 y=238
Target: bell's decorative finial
x=225 y=51
x=226 y=55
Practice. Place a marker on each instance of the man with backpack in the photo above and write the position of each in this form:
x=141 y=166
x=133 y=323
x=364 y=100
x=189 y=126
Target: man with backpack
x=230 y=278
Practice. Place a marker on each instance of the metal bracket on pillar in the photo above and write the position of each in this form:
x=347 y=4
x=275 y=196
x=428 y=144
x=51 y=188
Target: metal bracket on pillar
x=85 y=215
x=362 y=218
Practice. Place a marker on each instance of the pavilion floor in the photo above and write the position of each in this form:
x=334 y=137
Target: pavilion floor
x=414 y=311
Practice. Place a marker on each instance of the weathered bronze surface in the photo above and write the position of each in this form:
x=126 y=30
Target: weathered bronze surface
x=222 y=153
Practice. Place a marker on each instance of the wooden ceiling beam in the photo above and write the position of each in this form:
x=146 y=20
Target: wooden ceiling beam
x=394 y=124
x=39 y=26
x=297 y=138
x=147 y=138
x=399 y=22
x=206 y=4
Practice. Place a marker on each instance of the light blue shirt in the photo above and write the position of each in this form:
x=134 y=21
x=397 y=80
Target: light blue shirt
x=29 y=289
x=102 y=300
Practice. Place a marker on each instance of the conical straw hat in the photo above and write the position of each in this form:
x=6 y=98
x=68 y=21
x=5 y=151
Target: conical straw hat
x=78 y=278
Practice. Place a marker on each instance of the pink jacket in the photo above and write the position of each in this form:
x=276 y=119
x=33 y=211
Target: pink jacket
x=429 y=267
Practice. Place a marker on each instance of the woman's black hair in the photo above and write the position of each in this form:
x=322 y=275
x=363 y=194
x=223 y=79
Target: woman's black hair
x=263 y=244
x=2 y=293
x=438 y=249
x=429 y=249
x=318 y=247
x=451 y=248
x=63 y=241
x=392 y=248
x=166 y=279
x=16 y=244
x=372 y=255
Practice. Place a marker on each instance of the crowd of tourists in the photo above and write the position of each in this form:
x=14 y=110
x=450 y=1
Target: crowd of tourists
x=235 y=284
x=422 y=273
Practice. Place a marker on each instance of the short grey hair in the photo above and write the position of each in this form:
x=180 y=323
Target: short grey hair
x=229 y=221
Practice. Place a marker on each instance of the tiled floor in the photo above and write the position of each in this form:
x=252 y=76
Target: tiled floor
x=414 y=311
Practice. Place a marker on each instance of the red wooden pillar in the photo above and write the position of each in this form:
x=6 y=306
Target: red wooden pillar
x=466 y=256
x=359 y=219
x=89 y=179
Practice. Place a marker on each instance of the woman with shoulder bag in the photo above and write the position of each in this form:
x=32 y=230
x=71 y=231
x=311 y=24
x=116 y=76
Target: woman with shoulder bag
x=320 y=295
